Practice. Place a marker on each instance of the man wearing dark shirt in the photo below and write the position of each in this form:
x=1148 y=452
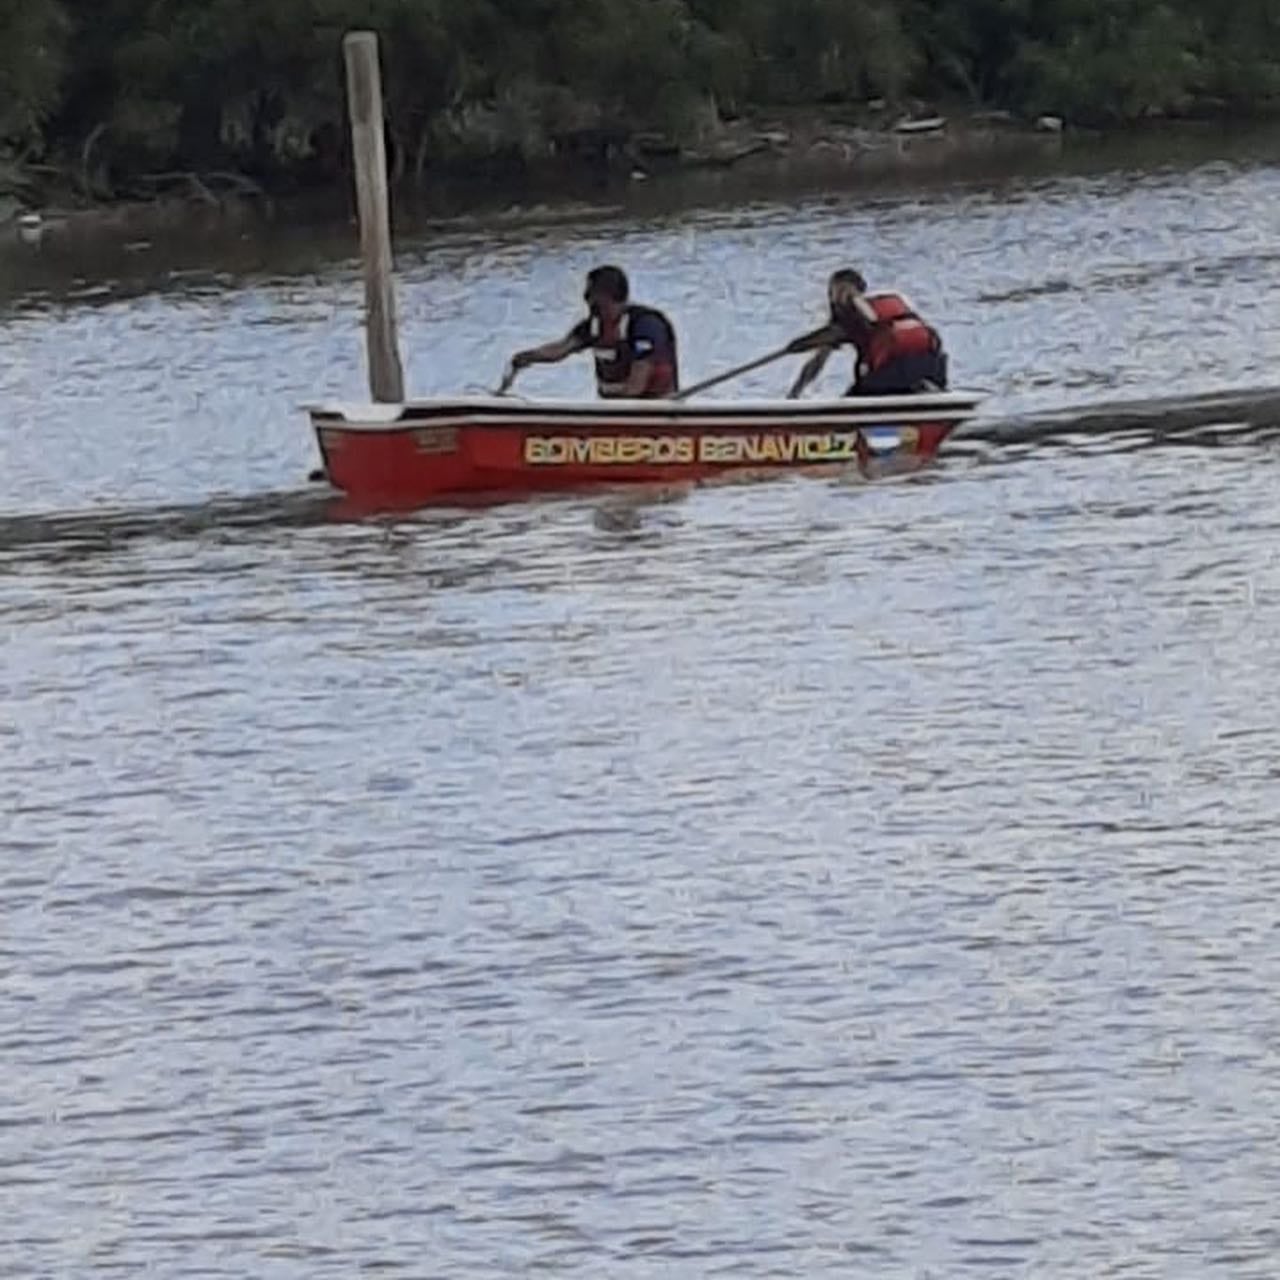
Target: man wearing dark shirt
x=634 y=346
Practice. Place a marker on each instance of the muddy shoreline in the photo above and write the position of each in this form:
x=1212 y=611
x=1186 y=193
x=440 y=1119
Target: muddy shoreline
x=745 y=160
x=589 y=166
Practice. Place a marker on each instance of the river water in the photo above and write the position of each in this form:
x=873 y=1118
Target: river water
x=818 y=878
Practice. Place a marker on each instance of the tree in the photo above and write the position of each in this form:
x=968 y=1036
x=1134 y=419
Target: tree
x=33 y=44
x=257 y=84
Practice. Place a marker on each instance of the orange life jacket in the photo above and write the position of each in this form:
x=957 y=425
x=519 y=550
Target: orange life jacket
x=898 y=332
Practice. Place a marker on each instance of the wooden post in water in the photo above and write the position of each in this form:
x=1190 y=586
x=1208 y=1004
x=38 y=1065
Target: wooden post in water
x=364 y=104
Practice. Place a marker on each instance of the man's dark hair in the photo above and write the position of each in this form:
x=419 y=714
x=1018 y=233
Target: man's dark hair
x=847 y=275
x=609 y=281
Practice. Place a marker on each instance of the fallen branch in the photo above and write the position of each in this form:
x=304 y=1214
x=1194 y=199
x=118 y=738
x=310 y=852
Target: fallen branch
x=190 y=180
x=238 y=182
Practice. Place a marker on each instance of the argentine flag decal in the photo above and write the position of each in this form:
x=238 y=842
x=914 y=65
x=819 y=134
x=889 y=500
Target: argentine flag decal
x=882 y=439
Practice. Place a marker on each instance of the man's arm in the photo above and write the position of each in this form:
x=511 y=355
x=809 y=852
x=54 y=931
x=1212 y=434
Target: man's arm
x=634 y=387
x=812 y=368
x=828 y=337
x=553 y=352
x=822 y=342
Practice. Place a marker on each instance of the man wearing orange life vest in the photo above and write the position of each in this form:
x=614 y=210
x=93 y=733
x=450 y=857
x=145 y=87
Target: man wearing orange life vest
x=897 y=352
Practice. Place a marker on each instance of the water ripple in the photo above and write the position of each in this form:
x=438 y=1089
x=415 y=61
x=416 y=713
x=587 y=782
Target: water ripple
x=815 y=878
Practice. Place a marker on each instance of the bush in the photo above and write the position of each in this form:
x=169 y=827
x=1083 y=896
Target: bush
x=257 y=84
x=33 y=47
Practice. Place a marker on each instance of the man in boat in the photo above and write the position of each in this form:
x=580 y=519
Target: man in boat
x=634 y=346
x=897 y=353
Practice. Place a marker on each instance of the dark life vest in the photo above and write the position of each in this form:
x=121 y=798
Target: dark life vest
x=616 y=352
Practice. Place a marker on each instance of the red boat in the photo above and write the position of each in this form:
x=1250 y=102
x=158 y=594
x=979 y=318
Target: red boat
x=407 y=455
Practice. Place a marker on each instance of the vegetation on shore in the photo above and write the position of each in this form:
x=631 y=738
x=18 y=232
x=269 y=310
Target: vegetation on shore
x=108 y=90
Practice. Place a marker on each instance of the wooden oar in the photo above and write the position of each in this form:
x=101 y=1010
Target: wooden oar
x=794 y=347
x=758 y=363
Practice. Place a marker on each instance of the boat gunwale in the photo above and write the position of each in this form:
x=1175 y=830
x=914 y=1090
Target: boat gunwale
x=880 y=411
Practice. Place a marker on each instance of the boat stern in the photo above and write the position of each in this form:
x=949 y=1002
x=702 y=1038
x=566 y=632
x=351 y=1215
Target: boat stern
x=375 y=451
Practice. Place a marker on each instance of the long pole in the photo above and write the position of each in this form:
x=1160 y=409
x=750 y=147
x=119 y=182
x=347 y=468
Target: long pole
x=797 y=346
x=749 y=367
x=364 y=104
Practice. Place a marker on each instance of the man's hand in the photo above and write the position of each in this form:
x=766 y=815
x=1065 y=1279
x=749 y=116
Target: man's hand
x=827 y=336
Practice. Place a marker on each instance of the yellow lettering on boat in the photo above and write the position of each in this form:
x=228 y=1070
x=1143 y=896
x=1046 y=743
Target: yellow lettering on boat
x=778 y=448
x=604 y=451
x=711 y=449
x=673 y=450
x=716 y=449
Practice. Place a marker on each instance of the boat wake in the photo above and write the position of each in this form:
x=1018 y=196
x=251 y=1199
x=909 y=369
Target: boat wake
x=76 y=534
x=1217 y=418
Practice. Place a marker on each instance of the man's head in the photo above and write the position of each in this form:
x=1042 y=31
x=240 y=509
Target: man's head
x=607 y=291
x=844 y=287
